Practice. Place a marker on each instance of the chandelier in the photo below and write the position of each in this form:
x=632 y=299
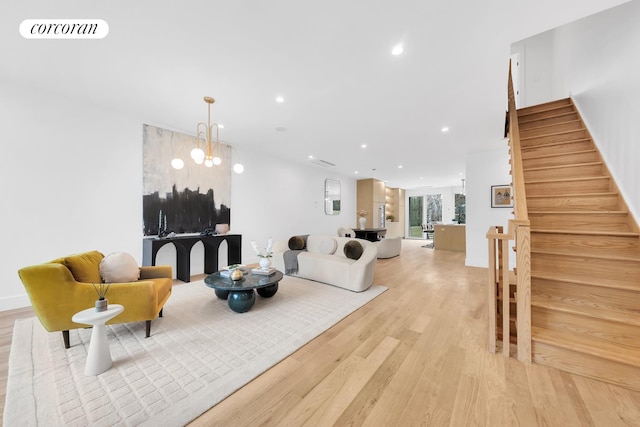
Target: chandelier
x=209 y=154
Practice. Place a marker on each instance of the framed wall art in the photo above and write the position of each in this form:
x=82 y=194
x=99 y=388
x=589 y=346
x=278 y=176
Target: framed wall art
x=501 y=196
x=189 y=200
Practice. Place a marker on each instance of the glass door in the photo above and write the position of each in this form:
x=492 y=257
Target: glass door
x=434 y=208
x=416 y=214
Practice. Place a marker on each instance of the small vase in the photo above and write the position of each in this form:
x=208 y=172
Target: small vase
x=102 y=304
x=222 y=228
x=363 y=222
x=236 y=275
x=265 y=263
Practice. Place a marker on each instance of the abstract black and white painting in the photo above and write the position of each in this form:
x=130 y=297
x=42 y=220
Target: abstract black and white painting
x=188 y=200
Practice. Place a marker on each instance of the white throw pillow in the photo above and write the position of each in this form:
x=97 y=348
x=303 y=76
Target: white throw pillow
x=328 y=246
x=119 y=267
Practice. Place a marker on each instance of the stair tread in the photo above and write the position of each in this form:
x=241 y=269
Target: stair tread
x=546 y=135
x=524 y=118
x=588 y=178
x=551 y=144
x=608 y=256
x=624 y=287
x=581 y=212
x=582 y=344
x=630 y=234
x=547 y=156
x=535 y=109
x=548 y=125
x=569 y=195
x=573 y=165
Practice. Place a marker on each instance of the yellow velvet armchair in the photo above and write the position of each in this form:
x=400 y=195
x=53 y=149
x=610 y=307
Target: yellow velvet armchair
x=62 y=287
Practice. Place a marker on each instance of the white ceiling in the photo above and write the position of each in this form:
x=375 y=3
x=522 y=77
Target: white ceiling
x=329 y=59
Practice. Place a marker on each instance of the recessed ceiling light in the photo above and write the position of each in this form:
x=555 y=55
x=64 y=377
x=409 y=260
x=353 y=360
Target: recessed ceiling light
x=356 y=172
x=363 y=146
x=279 y=99
x=397 y=50
x=399 y=166
x=311 y=156
x=445 y=129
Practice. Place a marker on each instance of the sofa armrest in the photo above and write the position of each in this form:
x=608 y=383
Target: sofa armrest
x=361 y=272
x=55 y=295
x=156 y=272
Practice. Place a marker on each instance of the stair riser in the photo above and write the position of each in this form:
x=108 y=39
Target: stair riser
x=582 y=171
x=586 y=365
x=561 y=137
x=561 y=160
x=586 y=269
x=586 y=298
x=528 y=123
x=585 y=222
x=577 y=203
x=550 y=109
x=627 y=246
x=601 y=332
x=565 y=147
x=555 y=128
x=568 y=187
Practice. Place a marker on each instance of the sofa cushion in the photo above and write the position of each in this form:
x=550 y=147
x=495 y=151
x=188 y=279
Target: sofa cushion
x=119 y=267
x=353 y=249
x=324 y=268
x=328 y=246
x=297 y=243
x=85 y=266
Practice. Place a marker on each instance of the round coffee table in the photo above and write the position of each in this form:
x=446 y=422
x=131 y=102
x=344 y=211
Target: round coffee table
x=240 y=294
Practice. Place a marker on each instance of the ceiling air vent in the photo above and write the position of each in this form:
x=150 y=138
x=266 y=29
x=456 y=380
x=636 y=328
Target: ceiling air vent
x=321 y=162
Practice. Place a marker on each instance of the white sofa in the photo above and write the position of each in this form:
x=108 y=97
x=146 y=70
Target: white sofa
x=389 y=247
x=324 y=261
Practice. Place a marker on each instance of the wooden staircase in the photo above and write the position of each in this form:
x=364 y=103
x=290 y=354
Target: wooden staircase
x=585 y=251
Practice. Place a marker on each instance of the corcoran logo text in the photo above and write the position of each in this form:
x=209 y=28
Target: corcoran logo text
x=64 y=29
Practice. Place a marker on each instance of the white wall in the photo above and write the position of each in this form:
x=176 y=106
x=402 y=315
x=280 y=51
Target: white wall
x=72 y=174
x=535 y=78
x=484 y=169
x=595 y=60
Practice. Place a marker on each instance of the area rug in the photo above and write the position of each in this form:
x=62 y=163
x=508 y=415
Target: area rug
x=198 y=353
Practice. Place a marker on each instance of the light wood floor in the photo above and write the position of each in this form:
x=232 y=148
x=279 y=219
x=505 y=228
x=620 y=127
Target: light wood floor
x=415 y=356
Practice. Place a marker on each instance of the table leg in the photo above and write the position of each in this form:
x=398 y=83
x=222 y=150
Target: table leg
x=99 y=355
x=241 y=301
x=268 y=291
x=222 y=294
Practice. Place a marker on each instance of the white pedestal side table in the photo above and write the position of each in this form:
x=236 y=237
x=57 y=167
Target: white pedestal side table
x=99 y=355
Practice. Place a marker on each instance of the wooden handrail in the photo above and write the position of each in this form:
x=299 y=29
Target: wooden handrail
x=517 y=174
x=518 y=231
